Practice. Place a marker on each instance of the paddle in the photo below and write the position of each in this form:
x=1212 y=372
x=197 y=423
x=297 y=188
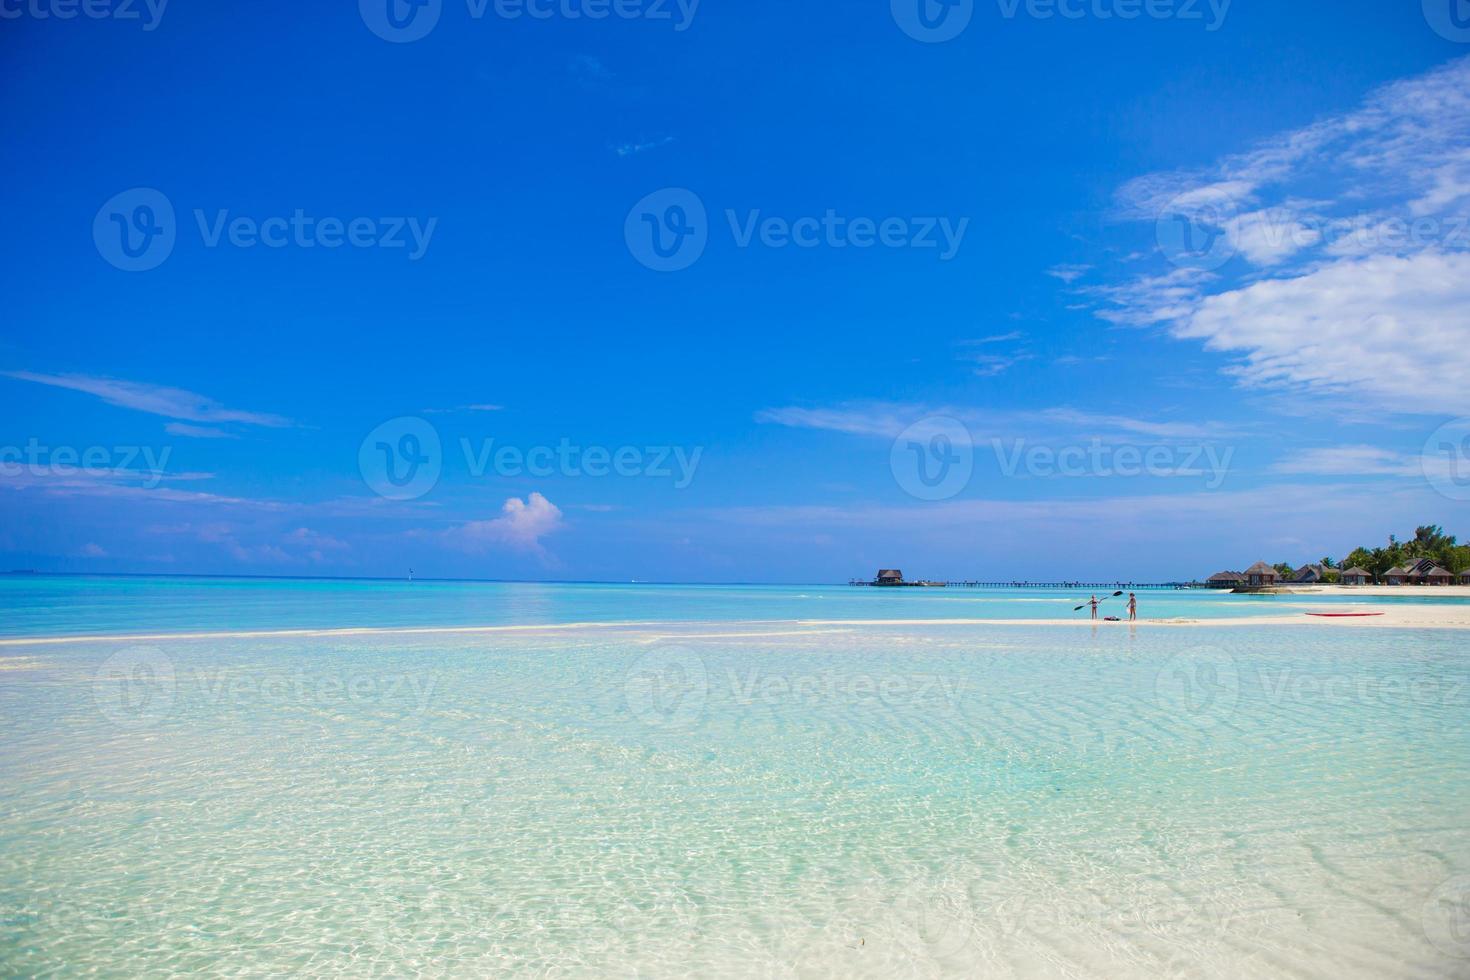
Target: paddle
x=1103 y=599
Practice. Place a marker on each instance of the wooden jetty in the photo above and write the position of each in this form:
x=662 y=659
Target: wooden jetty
x=1109 y=586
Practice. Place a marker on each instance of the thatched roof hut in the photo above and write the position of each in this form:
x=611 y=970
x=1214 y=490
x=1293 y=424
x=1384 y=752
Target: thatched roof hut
x=1262 y=574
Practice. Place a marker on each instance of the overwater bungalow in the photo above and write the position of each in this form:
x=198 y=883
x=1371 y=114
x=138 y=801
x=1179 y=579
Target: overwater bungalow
x=1225 y=580
x=1261 y=574
x=1356 y=576
x=889 y=576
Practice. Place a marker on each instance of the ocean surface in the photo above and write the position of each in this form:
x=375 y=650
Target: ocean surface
x=709 y=781
x=52 y=605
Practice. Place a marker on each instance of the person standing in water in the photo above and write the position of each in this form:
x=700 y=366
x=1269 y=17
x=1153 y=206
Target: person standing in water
x=1132 y=607
x=1093 y=603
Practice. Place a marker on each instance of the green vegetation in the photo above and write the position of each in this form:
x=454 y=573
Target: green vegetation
x=1429 y=541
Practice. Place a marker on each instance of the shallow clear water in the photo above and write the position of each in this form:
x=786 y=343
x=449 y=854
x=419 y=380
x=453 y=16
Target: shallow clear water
x=48 y=605
x=737 y=798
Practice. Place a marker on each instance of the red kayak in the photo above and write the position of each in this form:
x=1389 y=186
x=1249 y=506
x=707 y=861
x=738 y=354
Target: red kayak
x=1342 y=615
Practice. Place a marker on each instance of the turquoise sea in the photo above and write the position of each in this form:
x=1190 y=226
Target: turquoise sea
x=720 y=781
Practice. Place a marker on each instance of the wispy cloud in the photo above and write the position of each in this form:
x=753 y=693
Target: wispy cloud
x=1069 y=273
x=641 y=146
x=887 y=420
x=1351 y=461
x=197 y=431
x=986 y=361
x=863 y=419
x=1347 y=272
x=462 y=408
x=172 y=403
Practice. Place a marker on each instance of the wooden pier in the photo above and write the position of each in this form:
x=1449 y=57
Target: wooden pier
x=1073 y=586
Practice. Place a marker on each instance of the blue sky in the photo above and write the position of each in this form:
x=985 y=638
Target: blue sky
x=1084 y=295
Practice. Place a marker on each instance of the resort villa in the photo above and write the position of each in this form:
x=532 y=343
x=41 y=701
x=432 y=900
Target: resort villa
x=1421 y=572
x=1424 y=571
x=889 y=576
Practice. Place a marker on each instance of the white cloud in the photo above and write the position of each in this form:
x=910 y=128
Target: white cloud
x=1386 y=328
x=1271 y=235
x=521 y=525
x=173 y=403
